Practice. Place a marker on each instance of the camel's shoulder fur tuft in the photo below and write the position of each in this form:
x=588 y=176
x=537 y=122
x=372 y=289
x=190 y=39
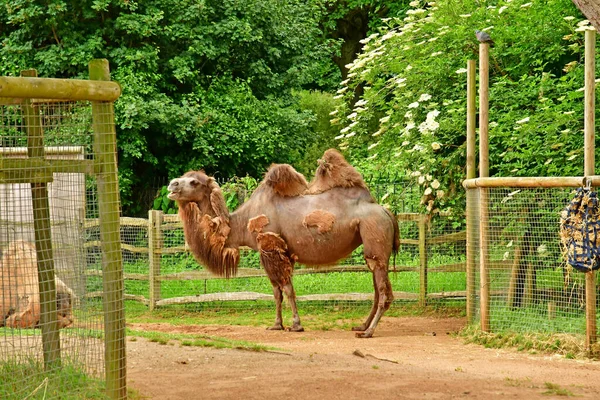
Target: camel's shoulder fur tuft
x=285 y=180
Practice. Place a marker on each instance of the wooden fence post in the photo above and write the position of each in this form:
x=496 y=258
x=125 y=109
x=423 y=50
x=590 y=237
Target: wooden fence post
x=43 y=237
x=154 y=255
x=589 y=149
x=471 y=201
x=484 y=55
x=423 y=219
x=105 y=167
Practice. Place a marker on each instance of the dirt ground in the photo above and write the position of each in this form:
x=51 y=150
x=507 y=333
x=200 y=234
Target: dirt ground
x=409 y=358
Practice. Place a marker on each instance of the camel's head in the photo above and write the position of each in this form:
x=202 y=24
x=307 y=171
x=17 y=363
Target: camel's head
x=193 y=186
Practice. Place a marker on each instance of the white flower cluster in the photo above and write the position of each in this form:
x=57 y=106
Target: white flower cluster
x=430 y=124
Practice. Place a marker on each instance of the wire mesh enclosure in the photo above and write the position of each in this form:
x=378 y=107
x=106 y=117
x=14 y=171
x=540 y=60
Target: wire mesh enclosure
x=530 y=286
x=57 y=171
x=160 y=271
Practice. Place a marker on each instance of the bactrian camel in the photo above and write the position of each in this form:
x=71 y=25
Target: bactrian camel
x=287 y=221
x=19 y=289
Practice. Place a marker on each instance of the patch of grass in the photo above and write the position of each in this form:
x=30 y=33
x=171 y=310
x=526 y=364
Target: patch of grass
x=186 y=339
x=337 y=282
x=523 y=319
x=314 y=315
x=568 y=345
x=556 y=390
x=28 y=378
x=4 y=331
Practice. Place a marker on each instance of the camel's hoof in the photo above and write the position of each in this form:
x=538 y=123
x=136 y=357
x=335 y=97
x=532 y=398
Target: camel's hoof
x=276 y=327
x=360 y=328
x=366 y=334
x=296 y=328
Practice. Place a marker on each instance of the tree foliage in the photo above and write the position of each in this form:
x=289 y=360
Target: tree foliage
x=206 y=84
x=412 y=115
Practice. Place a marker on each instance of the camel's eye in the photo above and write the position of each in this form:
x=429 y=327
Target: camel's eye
x=194 y=182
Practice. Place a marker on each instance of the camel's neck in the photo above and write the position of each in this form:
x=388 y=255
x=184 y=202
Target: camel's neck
x=240 y=235
x=206 y=234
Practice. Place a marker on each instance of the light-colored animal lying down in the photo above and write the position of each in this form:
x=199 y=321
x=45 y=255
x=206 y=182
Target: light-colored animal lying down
x=20 y=297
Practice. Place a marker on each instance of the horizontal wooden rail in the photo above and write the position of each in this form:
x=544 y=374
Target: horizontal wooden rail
x=25 y=176
x=255 y=296
x=449 y=238
x=128 y=247
x=125 y=221
x=61 y=89
x=12 y=165
x=49 y=151
x=525 y=182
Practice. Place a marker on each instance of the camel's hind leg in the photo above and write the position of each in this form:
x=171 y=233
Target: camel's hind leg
x=377 y=241
x=367 y=322
x=382 y=301
x=279 y=266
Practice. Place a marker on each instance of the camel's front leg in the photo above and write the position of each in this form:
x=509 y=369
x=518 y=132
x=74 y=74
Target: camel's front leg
x=279 y=266
x=278 y=326
x=291 y=295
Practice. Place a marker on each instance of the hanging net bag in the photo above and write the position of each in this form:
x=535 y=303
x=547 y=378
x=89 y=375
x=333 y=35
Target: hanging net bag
x=580 y=231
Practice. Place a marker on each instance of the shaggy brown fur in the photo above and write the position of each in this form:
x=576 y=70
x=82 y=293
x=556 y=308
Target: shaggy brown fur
x=285 y=180
x=20 y=299
x=274 y=222
x=256 y=224
x=274 y=254
x=335 y=171
x=320 y=219
x=206 y=235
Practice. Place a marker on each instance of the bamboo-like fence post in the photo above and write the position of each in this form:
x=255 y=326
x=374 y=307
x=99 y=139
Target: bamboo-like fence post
x=154 y=255
x=105 y=159
x=43 y=238
x=423 y=219
x=471 y=171
x=484 y=256
x=589 y=149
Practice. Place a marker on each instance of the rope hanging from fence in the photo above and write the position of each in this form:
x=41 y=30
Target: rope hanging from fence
x=580 y=230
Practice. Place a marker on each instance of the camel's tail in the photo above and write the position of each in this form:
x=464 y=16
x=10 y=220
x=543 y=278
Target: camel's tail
x=396 y=239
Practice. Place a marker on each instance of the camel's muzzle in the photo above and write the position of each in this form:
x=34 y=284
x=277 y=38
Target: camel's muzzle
x=173 y=189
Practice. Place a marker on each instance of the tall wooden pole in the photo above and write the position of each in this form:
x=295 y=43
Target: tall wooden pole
x=154 y=255
x=43 y=238
x=484 y=54
x=589 y=148
x=105 y=158
x=423 y=260
x=472 y=232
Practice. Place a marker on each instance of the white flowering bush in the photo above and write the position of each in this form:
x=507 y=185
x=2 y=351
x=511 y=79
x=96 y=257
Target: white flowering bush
x=411 y=116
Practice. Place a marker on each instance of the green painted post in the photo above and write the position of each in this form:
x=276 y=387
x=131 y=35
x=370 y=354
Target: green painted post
x=43 y=238
x=105 y=158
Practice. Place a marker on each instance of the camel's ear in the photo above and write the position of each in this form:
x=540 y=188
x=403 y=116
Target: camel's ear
x=285 y=180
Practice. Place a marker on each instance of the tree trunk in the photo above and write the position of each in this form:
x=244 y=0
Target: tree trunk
x=352 y=29
x=591 y=10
